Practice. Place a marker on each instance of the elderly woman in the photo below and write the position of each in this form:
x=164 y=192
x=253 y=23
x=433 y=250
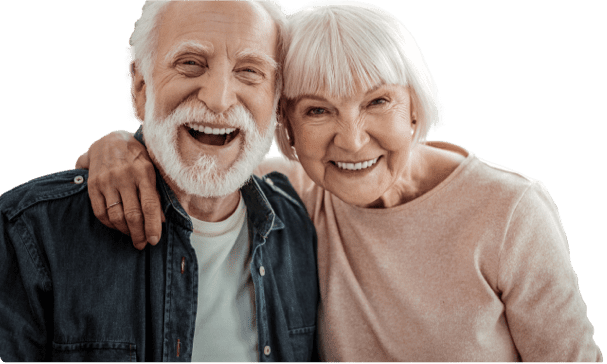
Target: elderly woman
x=425 y=252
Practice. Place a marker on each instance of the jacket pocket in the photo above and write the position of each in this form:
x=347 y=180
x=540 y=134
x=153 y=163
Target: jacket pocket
x=100 y=351
x=302 y=343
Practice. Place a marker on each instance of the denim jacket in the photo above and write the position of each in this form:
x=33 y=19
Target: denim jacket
x=74 y=290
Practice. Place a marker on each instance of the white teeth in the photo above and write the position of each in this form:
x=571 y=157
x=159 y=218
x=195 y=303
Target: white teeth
x=357 y=166
x=214 y=131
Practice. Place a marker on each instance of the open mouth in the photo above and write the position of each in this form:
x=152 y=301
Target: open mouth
x=359 y=166
x=213 y=136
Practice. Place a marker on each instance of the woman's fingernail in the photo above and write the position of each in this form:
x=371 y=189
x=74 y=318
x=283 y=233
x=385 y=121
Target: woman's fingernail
x=153 y=240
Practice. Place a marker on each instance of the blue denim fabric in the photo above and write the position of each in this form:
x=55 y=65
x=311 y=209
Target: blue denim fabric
x=74 y=290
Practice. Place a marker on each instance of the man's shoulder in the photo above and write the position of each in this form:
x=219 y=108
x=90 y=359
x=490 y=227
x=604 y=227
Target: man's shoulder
x=51 y=187
x=274 y=205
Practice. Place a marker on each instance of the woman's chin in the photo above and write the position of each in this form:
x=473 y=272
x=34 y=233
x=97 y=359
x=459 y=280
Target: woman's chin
x=362 y=192
x=357 y=197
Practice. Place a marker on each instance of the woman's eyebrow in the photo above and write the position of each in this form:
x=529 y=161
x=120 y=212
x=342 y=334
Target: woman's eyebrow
x=375 y=88
x=310 y=96
x=205 y=49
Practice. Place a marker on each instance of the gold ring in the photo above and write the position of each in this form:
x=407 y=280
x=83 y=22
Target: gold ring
x=112 y=205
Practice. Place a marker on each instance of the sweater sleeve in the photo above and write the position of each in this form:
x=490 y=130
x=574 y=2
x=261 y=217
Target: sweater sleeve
x=25 y=300
x=544 y=309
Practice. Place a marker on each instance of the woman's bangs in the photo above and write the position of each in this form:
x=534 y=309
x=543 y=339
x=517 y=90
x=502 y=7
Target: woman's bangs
x=338 y=61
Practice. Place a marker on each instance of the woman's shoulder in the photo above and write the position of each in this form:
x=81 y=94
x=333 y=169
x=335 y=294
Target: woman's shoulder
x=292 y=169
x=477 y=170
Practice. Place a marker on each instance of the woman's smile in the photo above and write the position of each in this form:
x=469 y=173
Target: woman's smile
x=356 y=147
x=356 y=166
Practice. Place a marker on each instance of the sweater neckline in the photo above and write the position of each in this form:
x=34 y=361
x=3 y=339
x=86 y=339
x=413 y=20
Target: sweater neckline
x=421 y=199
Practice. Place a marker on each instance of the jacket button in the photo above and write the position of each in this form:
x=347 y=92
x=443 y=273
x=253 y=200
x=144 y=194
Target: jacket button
x=78 y=180
x=270 y=182
x=267 y=350
x=262 y=271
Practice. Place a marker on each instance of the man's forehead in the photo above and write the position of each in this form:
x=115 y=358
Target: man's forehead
x=236 y=21
x=197 y=14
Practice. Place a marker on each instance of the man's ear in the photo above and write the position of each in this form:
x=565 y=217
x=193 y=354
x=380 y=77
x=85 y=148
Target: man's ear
x=138 y=91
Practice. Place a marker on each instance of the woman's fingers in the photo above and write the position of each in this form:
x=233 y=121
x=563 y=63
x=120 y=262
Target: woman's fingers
x=122 y=186
x=133 y=215
x=151 y=208
x=99 y=207
x=115 y=213
x=83 y=161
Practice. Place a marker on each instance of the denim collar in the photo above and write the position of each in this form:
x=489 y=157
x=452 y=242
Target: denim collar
x=259 y=211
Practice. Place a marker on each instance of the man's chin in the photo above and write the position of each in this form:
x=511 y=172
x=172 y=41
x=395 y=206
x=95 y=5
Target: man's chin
x=202 y=170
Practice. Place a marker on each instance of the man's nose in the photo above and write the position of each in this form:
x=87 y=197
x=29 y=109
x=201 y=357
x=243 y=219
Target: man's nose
x=218 y=93
x=351 y=136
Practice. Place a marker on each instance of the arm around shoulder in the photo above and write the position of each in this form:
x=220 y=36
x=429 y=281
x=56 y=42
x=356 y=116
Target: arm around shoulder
x=292 y=169
x=544 y=308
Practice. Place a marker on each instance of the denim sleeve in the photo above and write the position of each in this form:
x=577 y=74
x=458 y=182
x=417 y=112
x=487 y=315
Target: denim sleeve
x=25 y=298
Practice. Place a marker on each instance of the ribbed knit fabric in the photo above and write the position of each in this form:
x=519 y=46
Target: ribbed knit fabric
x=477 y=269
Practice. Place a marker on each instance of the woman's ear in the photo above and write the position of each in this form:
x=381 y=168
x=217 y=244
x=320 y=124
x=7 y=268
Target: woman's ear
x=138 y=91
x=413 y=105
x=284 y=117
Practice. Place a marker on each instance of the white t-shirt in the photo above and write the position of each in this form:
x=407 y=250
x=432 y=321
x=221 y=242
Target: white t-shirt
x=226 y=328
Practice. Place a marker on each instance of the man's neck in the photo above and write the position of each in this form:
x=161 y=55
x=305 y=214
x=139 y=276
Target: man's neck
x=209 y=209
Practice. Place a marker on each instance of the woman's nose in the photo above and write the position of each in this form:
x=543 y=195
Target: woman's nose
x=218 y=92
x=352 y=136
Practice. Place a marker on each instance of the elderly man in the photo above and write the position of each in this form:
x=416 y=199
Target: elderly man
x=234 y=275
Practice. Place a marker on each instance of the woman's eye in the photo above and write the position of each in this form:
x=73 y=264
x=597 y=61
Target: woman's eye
x=316 y=111
x=380 y=101
x=190 y=63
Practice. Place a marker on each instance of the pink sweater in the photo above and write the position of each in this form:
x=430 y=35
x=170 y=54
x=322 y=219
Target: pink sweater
x=477 y=269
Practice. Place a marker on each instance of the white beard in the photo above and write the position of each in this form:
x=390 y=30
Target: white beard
x=203 y=178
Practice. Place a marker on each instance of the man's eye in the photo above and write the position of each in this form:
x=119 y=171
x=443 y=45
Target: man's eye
x=250 y=70
x=190 y=63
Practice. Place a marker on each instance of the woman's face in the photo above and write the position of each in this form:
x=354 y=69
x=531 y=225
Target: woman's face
x=356 y=148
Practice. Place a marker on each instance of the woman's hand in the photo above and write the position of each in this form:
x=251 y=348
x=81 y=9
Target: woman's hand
x=122 y=187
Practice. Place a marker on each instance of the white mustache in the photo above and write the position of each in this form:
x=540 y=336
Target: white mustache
x=192 y=111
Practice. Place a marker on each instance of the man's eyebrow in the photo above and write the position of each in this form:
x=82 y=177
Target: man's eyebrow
x=190 y=46
x=260 y=58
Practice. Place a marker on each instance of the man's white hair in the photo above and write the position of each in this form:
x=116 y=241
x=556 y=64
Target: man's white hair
x=330 y=48
x=144 y=40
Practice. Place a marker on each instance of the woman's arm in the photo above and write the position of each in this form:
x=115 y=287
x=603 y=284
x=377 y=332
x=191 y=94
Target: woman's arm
x=122 y=187
x=544 y=309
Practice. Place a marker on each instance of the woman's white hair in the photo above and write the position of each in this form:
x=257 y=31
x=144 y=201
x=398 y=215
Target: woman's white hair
x=144 y=40
x=330 y=48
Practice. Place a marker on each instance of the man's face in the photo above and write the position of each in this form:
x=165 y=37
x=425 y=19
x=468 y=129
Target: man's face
x=210 y=111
